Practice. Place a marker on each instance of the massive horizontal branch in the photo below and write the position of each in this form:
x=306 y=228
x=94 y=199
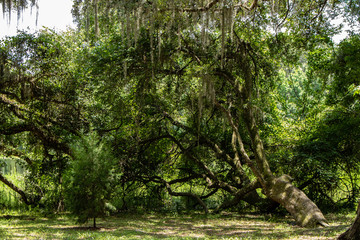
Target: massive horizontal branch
x=15 y=129
x=209 y=6
x=184 y=194
x=20 y=109
x=12 y=152
x=47 y=139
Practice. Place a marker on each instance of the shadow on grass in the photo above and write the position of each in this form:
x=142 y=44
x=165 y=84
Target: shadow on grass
x=155 y=226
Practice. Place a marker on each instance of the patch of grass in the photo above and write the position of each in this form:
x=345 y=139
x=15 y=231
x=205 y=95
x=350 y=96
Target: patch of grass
x=159 y=226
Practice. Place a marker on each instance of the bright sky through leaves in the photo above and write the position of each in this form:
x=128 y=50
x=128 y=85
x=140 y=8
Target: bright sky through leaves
x=54 y=14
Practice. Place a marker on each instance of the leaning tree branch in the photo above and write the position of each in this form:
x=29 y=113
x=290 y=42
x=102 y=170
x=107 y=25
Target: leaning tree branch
x=233 y=162
x=210 y=193
x=15 y=188
x=210 y=177
x=243 y=152
x=187 y=194
x=239 y=195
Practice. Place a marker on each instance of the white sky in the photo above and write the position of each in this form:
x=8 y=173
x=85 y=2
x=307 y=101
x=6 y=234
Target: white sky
x=54 y=14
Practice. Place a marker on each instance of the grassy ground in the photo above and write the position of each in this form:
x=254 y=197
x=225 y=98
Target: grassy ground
x=157 y=226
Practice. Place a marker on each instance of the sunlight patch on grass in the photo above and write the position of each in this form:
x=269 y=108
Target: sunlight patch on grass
x=156 y=226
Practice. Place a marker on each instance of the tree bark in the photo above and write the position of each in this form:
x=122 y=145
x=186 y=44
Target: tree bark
x=245 y=193
x=305 y=212
x=278 y=189
x=353 y=233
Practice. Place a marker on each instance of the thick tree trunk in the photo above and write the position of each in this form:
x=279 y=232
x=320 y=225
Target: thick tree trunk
x=278 y=189
x=353 y=233
x=305 y=212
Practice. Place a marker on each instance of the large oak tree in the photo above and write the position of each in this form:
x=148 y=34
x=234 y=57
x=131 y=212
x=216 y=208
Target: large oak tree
x=228 y=46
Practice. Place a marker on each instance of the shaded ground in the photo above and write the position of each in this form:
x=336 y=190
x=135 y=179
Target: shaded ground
x=157 y=226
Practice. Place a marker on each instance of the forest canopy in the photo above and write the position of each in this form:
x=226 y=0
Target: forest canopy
x=192 y=104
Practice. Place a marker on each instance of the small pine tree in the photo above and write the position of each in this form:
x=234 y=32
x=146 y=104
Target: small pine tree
x=88 y=180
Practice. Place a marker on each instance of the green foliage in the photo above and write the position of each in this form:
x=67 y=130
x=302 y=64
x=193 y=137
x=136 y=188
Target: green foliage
x=9 y=200
x=140 y=69
x=148 y=86
x=89 y=178
x=346 y=72
x=320 y=106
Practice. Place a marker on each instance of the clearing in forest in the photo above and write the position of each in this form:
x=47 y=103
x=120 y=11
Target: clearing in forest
x=160 y=226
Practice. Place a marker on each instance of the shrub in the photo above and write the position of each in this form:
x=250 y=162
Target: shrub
x=88 y=180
